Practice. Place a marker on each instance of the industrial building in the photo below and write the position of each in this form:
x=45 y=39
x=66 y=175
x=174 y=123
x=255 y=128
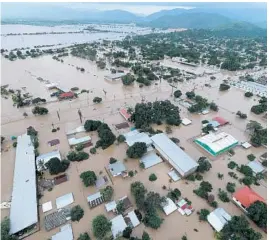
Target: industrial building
x=181 y=161
x=216 y=144
x=23 y=210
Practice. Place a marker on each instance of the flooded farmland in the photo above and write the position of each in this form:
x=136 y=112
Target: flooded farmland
x=24 y=74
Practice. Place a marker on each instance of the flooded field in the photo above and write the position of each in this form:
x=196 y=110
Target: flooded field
x=24 y=73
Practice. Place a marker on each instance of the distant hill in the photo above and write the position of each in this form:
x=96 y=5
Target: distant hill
x=262 y=24
x=173 y=12
x=190 y=20
x=240 y=29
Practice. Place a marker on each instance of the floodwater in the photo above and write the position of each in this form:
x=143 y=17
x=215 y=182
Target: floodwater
x=24 y=73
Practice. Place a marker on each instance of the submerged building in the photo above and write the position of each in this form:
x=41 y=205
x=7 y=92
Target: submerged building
x=216 y=144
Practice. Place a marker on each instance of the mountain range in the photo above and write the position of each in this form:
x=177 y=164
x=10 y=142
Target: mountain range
x=203 y=15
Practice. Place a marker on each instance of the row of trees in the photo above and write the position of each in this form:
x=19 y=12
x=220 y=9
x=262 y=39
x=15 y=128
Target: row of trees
x=261 y=107
x=258 y=134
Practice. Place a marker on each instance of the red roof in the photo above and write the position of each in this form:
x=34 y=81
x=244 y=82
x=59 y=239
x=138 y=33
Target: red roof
x=125 y=114
x=220 y=120
x=247 y=196
x=66 y=95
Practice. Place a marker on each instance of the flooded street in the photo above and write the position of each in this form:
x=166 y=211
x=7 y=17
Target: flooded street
x=24 y=73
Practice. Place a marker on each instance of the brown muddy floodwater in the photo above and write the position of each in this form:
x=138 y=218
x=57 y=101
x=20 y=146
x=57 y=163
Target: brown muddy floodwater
x=23 y=73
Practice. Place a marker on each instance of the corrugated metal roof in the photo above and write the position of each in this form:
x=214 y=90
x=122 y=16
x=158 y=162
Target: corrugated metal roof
x=116 y=168
x=218 y=218
x=94 y=196
x=64 y=200
x=23 y=211
x=139 y=137
x=66 y=233
x=179 y=159
x=150 y=159
x=118 y=225
x=169 y=207
x=217 y=142
x=256 y=167
x=75 y=141
x=46 y=157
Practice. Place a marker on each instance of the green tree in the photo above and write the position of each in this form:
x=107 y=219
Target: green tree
x=120 y=207
x=5 y=228
x=223 y=196
x=203 y=214
x=152 y=177
x=92 y=125
x=88 y=178
x=177 y=94
x=145 y=236
x=128 y=79
x=204 y=165
x=257 y=211
x=80 y=147
x=127 y=232
x=97 y=100
x=213 y=106
x=190 y=95
x=121 y=138
x=76 y=213
x=230 y=187
x=248 y=94
x=137 y=150
x=40 y=110
x=56 y=166
x=241 y=115
x=152 y=220
x=251 y=157
x=101 y=226
x=139 y=191
x=107 y=193
x=224 y=87
x=84 y=236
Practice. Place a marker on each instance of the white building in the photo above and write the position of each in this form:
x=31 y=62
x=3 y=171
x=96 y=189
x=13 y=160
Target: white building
x=137 y=137
x=216 y=144
x=182 y=162
x=218 y=218
x=23 y=210
x=66 y=233
x=169 y=207
x=75 y=141
x=42 y=159
x=118 y=226
x=150 y=160
x=256 y=167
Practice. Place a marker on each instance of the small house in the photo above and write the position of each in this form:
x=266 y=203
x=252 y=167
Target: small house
x=131 y=219
x=117 y=169
x=95 y=199
x=42 y=159
x=66 y=95
x=256 y=167
x=218 y=218
x=65 y=233
x=186 y=121
x=118 y=226
x=169 y=206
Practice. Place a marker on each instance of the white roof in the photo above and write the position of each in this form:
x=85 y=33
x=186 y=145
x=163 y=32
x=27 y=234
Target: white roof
x=174 y=154
x=256 y=167
x=65 y=233
x=94 y=196
x=169 y=207
x=246 y=145
x=133 y=218
x=46 y=206
x=139 y=137
x=174 y=175
x=75 y=141
x=116 y=168
x=76 y=130
x=186 y=121
x=64 y=200
x=150 y=159
x=114 y=76
x=118 y=225
x=218 y=141
x=46 y=157
x=23 y=210
x=111 y=206
x=131 y=133
x=218 y=218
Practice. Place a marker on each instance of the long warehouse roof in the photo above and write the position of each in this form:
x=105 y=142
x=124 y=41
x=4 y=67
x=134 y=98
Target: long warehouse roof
x=175 y=154
x=23 y=210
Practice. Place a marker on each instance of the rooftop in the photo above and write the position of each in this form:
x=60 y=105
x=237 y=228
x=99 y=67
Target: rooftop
x=169 y=207
x=64 y=200
x=179 y=158
x=65 y=233
x=46 y=157
x=118 y=225
x=247 y=196
x=220 y=120
x=218 y=218
x=256 y=167
x=150 y=159
x=23 y=210
x=116 y=168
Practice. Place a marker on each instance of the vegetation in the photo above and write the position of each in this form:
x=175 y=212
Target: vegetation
x=107 y=193
x=201 y=104
x=203 y=190
x=5 y=228
x=238 y=227
x=257 y=132
x=230 y=187
x=175 y=140
x=190 y=95
x=76 y=213
x=93 y=150
x=224 y=87
x=204 y=165
x=152 y=177
x=261 y=107
x=257 y=212
x=56 y=166
x=127 y=232
x=84 y=236
x=128 y=79
x=145 y=236
x=112 y=160
x=137 y=150
x=101 y=226
x=248 y=94
x=77 y=156
x=40 y=110
x=223 y=196
x=149 y=113
x=79 y=147
x=232 y=164
x=121 y=138
x=174 y=194
x=214 y=107
x=203 y=214
x=88 y=178
x=14 y=144
x=177 y=94
x=241 y=115
x=251 y=157
x=97 y=100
